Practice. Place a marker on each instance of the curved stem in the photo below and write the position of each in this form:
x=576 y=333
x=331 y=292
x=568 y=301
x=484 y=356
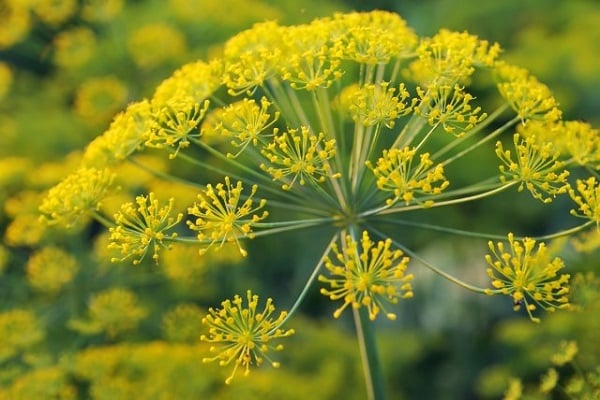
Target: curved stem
x=387 y=210
x=308 y=283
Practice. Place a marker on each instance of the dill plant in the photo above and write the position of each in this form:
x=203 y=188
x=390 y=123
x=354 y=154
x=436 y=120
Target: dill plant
x=351 y=123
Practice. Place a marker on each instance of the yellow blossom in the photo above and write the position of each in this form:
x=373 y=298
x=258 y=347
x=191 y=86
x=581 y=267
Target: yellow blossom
x=155 y=44
x=536 y=168
x=301 y=155
x=367 y=277
x=527 y=275
x=126 y=134
x=221 y=216
x=54 y=12
x=241 y=333
x=449 y=106
x=99 y=99
x=396 y=173
x=19 y=330
x=244 y=122
x=75 y=47
x=588 y=199
x=549 y=381
x=449 y=58
x=372 y=38
x=566 y=353
x=174 y=123
x=15 y=23
x=143 y=227
x=251 y=57
x=77 y=195
x=182 y=323
x=113 y=311
x=196 y=80
x=529 y=98
x=375 y=104
x=50 y=269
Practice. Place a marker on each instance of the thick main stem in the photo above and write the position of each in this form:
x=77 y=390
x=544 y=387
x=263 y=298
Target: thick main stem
x=368 y=352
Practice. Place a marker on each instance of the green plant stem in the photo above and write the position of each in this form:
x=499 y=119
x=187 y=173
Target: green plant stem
x=365 y=333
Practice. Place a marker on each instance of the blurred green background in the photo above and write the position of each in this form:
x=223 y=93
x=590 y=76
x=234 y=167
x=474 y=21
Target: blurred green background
x=75 y=326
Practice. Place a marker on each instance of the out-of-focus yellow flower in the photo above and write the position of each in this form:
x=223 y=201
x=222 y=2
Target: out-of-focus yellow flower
x=50 y=269
x=76 y=196
x=153 y=45
x=53 y=12
x=15 y=23
x=99 y=99
x=183 y=323
x=113 y=311
x=19 y=330
x=75 y=47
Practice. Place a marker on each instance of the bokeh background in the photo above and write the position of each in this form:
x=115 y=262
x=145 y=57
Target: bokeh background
x=75 y=326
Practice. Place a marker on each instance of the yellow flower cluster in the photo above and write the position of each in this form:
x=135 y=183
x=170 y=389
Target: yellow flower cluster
x=341 y=123
x=301 y=155
x=50 y=269
x=378 y=104
x=408 y=181
x=536 y=167
x=113 y=312
x=19 y=329
x=221 y=218
x=240 y=333
x=76 y=196
x=143 y=227
x=528 y=275
x=367 y=277
x=587 y=198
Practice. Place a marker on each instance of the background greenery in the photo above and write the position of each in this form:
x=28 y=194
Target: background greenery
x=75 y=326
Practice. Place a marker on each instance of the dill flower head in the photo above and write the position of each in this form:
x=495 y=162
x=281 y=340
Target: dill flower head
x=348 y=125
x=143 y=227
x=76 y=196
x=113 y=311
x=222 y=216
x=536 y=167
x=155 y=44
x=367 y=277
x=19 y=329
x=587 y=198
x=99 y=99
x=182 y=323
x=50 y=269
x=15 y=22
x=241 y=333
x=73 y=48
x=528 y=275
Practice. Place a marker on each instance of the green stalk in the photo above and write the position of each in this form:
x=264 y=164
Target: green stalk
x=365 y=333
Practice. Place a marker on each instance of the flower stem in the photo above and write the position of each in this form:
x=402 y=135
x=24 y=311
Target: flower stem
x=368 y=351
